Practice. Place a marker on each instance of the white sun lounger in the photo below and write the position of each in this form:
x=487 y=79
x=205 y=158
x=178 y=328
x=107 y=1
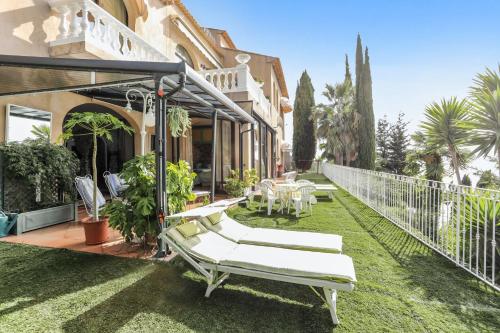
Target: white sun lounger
x=216 y=257
x=242 y=234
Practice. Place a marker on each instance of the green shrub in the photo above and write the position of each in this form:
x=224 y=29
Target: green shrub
x=36 y=168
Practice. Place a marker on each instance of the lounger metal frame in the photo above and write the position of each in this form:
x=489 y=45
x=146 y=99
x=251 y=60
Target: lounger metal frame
x=217 y=274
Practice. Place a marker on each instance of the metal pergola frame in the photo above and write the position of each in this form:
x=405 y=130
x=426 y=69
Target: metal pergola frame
x=172 y=83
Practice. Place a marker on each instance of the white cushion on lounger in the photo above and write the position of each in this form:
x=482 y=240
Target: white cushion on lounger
x=228 y=228
x=300 y=240
x=207 y=246
x=328 y=266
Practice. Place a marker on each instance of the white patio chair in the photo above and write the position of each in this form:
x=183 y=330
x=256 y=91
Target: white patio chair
x=267 y=194
x=306 y=198
x=115 y=184
x=85 y=187
x=304 y=182
x=290 y=175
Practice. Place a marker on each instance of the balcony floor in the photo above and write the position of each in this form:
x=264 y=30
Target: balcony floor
x=402 y=286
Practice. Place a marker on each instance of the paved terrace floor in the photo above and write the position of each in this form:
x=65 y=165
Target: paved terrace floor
x=71 y=236
x=403 y=287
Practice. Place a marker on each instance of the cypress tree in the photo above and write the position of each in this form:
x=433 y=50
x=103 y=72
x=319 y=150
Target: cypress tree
x=367 y=147
x=359 y=64
x=347 y=76
x=304 y=136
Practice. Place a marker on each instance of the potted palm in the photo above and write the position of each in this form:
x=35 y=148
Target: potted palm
x=95 y=125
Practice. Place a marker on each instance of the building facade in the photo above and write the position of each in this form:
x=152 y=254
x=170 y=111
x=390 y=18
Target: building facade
x=146 y=30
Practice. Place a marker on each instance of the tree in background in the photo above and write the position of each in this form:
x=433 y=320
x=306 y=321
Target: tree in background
x=338 y=124
x=466 y=180
x=485 y=119
x=359 y=66
x=338 y=121
x=424 y=159
x=382 y=140
x=364 y=105
x=487 y=179
x=444 y=127
x=304 y=139
x=397 y=146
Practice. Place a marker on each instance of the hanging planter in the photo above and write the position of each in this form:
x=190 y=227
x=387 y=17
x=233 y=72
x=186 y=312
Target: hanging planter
x=178 y=121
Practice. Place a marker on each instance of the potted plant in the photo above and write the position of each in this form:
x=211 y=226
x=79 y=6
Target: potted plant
x=95 y=125
x=237 y=187
x=135 y=215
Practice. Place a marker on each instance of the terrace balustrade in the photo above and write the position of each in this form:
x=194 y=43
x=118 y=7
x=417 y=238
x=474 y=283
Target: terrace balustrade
x=239 y=79
x=107 y=38
x=459 y=222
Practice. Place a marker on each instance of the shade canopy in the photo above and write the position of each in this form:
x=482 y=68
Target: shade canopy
x=109 y=80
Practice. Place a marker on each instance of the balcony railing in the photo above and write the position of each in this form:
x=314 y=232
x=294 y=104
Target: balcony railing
x=239 y=79
x=85 y=21
x=459 y=222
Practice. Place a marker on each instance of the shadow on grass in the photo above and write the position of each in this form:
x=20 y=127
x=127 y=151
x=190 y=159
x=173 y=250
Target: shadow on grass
x=176 y=295
x=426 y=270
x=35 y=275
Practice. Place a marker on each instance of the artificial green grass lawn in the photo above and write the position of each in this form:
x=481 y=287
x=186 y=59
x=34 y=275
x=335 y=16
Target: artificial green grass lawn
x=402 y=286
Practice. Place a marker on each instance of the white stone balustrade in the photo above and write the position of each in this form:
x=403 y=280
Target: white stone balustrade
x=85 y=21
x=239 y=79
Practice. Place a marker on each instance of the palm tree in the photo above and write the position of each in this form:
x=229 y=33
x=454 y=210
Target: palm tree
x=41 y=132
x=426 y=155
x=337 y=123
x=485 y=120
x=444 y=127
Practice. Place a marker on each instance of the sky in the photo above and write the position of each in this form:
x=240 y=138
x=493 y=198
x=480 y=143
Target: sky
x=420 y=51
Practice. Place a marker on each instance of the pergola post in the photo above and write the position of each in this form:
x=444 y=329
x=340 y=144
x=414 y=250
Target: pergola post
x=160 y=158
x=214 y=153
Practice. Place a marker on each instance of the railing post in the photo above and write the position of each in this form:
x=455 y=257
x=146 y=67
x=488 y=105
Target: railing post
x=457 y=233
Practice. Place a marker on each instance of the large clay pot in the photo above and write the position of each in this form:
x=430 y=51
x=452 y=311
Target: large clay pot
x=96 y=232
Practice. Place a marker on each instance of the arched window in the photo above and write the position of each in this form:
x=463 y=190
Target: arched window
x=182 y=55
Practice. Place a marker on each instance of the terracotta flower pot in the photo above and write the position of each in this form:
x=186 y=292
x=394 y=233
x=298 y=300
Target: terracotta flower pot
x=96 y=232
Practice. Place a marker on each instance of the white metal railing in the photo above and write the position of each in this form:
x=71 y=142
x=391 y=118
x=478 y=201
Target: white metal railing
x=238 y=79
x=459 y=222
x=85 y=21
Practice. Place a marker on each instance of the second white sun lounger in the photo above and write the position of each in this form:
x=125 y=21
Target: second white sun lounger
x=216 y=257
x=242 y=234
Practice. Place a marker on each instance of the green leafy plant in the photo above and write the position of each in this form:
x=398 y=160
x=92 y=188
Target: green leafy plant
x=180 y=180
x=95 y=125
x=235 y=187
x=135 y=215
x=35 y=166
x=178 y=121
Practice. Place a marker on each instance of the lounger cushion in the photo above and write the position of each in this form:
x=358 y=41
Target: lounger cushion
x=215 y=218
x=190 y=229
x=206 y=246
x=328 y=266
x=228 y=228
x=299 y=240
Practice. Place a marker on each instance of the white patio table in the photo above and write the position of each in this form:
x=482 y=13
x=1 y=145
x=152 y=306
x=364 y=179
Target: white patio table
x=285 y=191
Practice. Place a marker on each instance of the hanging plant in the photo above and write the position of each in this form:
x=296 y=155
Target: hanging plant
x=178 y=121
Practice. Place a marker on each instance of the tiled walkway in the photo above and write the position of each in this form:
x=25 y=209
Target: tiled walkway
x=71 y=236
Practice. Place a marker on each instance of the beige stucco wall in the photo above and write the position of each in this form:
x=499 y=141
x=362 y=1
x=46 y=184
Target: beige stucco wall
x=26 y=27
